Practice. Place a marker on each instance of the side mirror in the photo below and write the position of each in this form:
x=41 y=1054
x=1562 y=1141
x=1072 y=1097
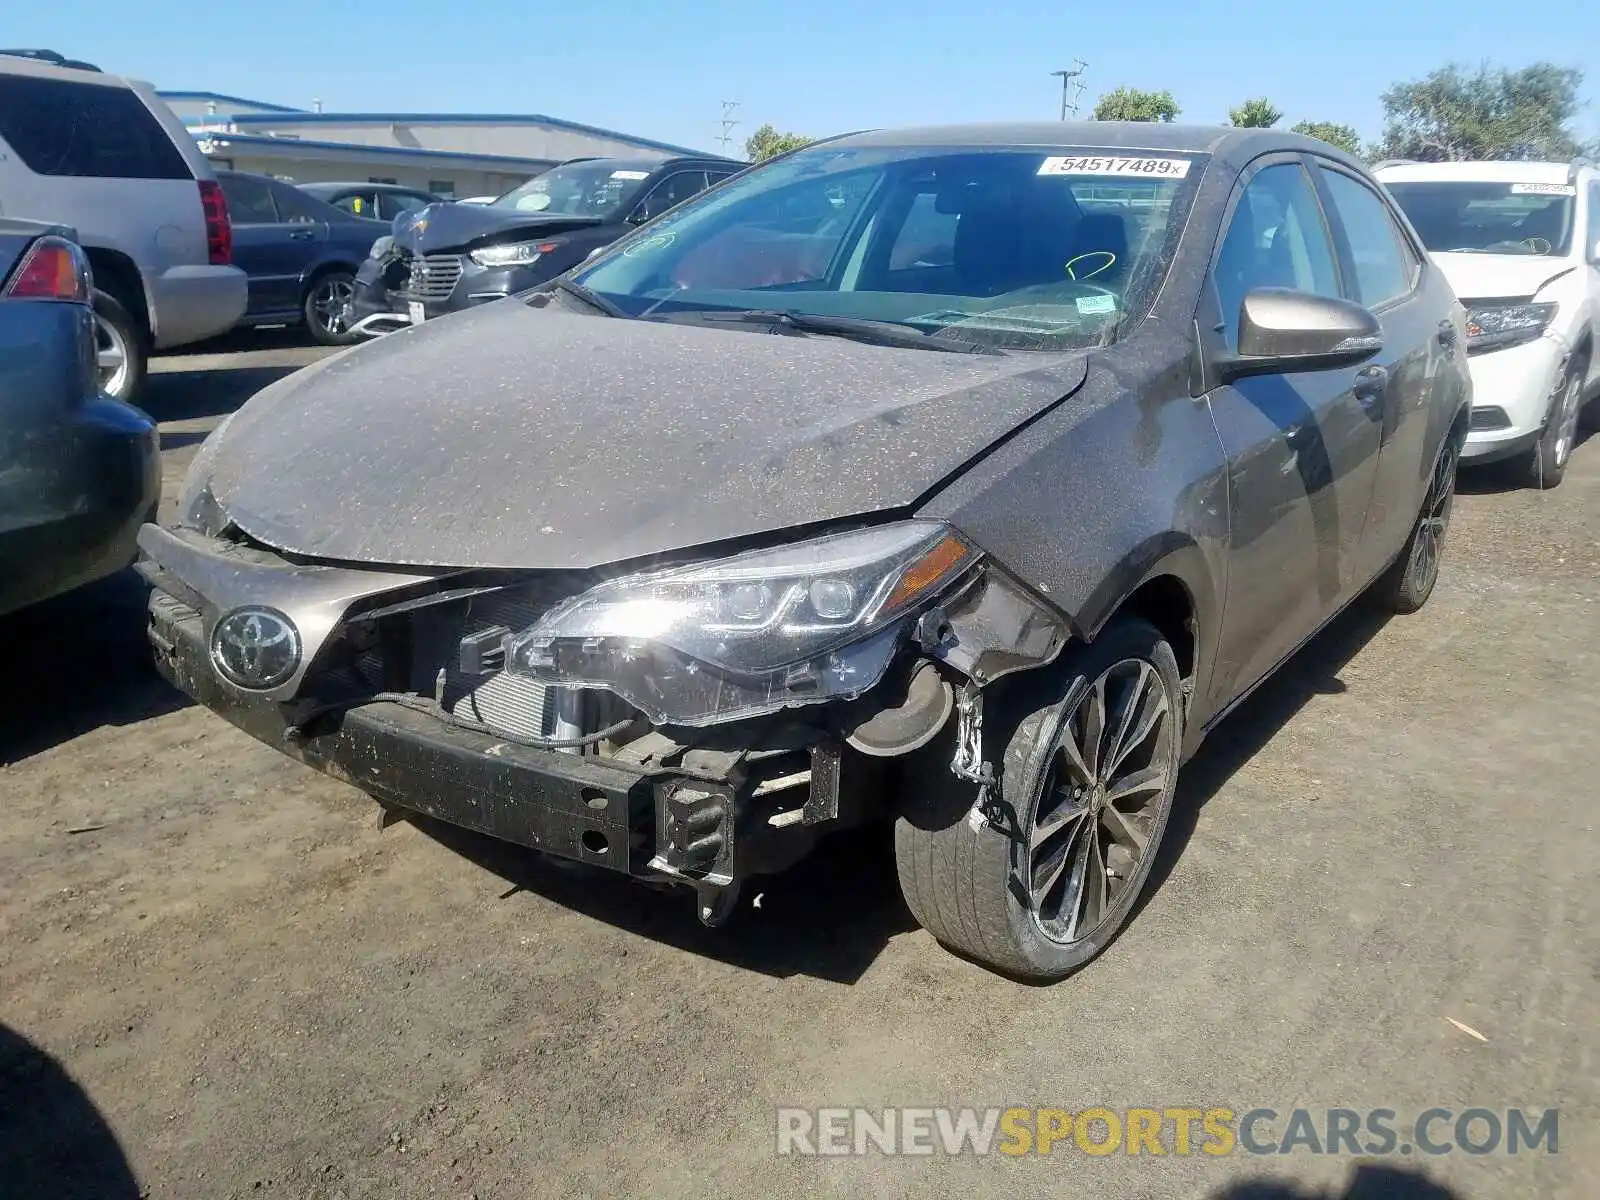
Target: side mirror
x=1284 y=330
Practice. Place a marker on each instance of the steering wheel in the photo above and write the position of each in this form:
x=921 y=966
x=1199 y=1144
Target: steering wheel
x=1072 y=263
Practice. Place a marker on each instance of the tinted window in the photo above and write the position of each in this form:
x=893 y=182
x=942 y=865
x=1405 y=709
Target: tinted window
x=1018 y=246
x=249 y=200
x=61 y=128
x=1492 y=218
x=1276 y=238
x=297 y=207
x=669 y=193
x=359 y=204
x=391 y=204
x=582 y=189
x=1382 y=272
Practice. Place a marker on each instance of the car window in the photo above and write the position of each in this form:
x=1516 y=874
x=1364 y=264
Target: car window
x=927 y=238
x=1472 y=216
x=249 y=201
x=669 y=193
x=358 y=204
x=1593 y=236
x=61 y=128
x=1382 y=272
x=392 y=204
x=1276 y=238
x=296 y=207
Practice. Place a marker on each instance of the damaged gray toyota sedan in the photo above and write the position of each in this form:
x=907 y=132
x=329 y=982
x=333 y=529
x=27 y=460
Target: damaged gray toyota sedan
x=962 y=478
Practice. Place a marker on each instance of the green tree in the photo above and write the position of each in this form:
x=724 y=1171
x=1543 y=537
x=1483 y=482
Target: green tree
x=1342 y=136
x=1131 y=104
x=767 y=142
x=1255 y=113
x=1492 y=113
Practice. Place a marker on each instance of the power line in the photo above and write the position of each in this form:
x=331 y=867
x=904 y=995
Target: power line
x=728 y=122
x=1071 y=87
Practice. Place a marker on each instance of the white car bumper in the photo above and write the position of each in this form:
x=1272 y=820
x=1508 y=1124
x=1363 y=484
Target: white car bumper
x=1511 y=392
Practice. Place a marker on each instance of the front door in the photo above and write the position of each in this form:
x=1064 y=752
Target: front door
x=267 y=248
x=1302 y=447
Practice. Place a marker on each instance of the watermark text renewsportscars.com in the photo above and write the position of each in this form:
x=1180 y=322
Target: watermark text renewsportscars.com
x=1174 y=1130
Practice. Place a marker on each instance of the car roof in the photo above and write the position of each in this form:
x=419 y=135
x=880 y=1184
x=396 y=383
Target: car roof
x=1480 y=172
x=1110 y=135
x=654 y=164
x=356 y=185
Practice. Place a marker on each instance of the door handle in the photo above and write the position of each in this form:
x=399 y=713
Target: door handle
x=1370 y=384
x=302 y=235
x=1447 y=334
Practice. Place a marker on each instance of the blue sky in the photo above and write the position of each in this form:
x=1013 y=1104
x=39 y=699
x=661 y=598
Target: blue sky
x=815 y=66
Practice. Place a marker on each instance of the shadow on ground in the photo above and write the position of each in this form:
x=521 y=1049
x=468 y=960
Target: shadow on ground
x=1367 y=1182
x=76 y=663
x=211 y=392
x=54 y=1143
x=1510 y=474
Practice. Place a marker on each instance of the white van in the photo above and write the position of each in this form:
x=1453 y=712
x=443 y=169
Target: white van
x=106 y=156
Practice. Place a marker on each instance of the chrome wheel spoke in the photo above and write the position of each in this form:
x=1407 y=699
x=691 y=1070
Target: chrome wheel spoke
x=1140 y=783
x=1124 y=830
x=1146 y=706
x=1094 y=727
x=1046 y=826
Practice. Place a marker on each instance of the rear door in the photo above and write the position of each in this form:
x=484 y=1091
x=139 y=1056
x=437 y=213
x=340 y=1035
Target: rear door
x=1302 y=446
x=269 y=248
x=1382 y=270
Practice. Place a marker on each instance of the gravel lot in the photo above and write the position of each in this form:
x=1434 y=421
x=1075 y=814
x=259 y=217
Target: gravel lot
x=221 y=978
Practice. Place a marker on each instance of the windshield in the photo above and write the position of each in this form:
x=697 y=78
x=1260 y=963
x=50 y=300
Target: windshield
x=1489 y=218
x=588 y=189
x=1032 y=248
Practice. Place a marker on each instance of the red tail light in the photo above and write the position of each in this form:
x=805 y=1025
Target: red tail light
x=54 y=269
x=219 y=230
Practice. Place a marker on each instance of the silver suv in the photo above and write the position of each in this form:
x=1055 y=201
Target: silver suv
x=82 y=148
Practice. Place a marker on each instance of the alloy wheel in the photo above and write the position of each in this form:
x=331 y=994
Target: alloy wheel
x=111 y=356
x=1565 y=419
x=1112 y=774
x=1435 y=520
x=330 y=305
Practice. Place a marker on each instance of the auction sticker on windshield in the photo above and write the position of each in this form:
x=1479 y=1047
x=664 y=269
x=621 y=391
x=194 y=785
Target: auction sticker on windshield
x=1543 y=189
x=1141 y=168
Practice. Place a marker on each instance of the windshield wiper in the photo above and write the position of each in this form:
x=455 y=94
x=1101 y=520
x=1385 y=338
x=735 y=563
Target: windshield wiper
x=593 y=299
x=858 y=329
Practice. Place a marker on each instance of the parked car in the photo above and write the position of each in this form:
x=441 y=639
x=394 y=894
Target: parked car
x=106 y=156
x=374 y=201
x=962 y=476
x=79 y=471
x=301 y=254
x=455 y=256
x=1520 y=243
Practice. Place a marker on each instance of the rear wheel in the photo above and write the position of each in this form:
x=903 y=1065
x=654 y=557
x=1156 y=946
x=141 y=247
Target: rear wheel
x=1546 y=464
x=1407 y=584
x=327 y=308
x=120 y=351
x=1085 y=791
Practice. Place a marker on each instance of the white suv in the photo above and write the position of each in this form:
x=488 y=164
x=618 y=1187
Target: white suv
x=106 y=156
x=1520 y=243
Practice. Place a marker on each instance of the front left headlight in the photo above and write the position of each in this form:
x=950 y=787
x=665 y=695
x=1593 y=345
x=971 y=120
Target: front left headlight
x=1497 y=326
x=815 y=621
x=381 y=247
x=516 y=254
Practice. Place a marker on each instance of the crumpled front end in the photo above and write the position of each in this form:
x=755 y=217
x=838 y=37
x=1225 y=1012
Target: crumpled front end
x=699 y=725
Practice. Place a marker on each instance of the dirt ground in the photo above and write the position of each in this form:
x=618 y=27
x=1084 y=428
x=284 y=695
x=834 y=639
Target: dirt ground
x=220 y=978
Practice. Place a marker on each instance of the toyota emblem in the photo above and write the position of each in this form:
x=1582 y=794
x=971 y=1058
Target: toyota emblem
x=255 y=648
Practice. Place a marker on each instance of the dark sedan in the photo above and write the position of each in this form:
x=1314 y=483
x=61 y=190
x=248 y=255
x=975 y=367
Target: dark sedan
x=456 y=256
x=301 y=255
x=963 y=478
x=79 y=471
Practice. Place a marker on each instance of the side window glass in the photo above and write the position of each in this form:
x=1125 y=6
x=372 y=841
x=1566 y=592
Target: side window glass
x=58 y=127
x=670 y=192
x=296 y=207
x=1592 y=234
x=392 y=204
x=1276 y=238
x=1382 y=274
x=249 y=201
x=927 y=238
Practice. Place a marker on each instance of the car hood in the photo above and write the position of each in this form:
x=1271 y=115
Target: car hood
x=516 y=437
x=1496 y=276
x=454 y=226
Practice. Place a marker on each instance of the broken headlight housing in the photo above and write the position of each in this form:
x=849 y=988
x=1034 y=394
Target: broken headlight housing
x=1499 y=326
x=815 y=621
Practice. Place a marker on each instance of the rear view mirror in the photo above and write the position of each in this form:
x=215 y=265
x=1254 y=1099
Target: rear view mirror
x=1284 y=330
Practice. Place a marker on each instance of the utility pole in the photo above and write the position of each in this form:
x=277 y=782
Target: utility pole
x=1071 y=87
x=728 y=122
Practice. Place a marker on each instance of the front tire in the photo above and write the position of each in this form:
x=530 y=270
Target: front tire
x=1085 y=790
x=327 y=308
x=120 y=349
x=1545 y=465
